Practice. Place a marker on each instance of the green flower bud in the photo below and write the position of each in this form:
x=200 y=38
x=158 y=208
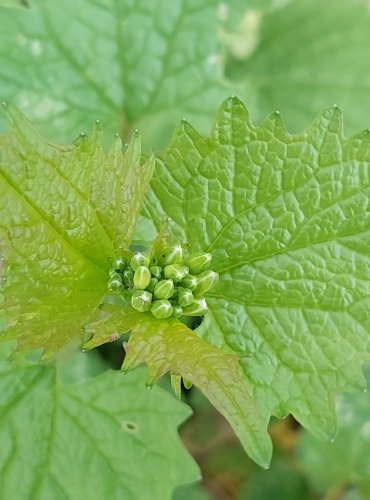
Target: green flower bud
x=115 y=284
x=139 y=259
x=197 y=308
x=152 y=284
x=177 y=311
x=205 y=281
x=141 y=300
x=185 y=297
x=190 y=282
x=187 y=383
x=161 y=309
x=142 y=277
x=120 y=264
x=156 y=271
x=164 y=289
x=170 y=255
x=199 y=263
x=175 y=272
x=113 y=273
x=128 y=278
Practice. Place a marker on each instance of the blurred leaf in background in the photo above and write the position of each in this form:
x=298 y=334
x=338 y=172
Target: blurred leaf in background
x=147 y=65
x=54 y=419
x=333 y=468
x=304 y=57
x=143 y=64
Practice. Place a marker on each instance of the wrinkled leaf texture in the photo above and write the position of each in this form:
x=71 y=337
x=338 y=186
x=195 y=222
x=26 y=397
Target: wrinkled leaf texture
x=287 y=218
x=66 y=211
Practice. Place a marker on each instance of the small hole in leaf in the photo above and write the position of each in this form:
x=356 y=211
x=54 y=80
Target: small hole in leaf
x=129 y=426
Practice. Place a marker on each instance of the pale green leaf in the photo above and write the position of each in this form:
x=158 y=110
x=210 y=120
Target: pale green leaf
x=345 y=461
x=304 y=58
x=287 y=218
x=64 y=211
x=104 y=438
x=170 y=346
x=128 y=63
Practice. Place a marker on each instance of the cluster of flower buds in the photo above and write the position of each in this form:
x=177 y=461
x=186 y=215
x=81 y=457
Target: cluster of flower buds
x=168 y=284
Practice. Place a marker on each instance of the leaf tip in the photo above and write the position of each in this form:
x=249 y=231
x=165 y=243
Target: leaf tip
x=335 y=110
x=274 y=121
x=232 y=102
x=97 y=131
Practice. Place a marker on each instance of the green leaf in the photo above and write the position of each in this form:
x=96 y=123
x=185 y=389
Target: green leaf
x=170 y=346
x=127 y=63
x=103 y=425
x=65 y=211
x=309 y=55
x=287 y=220
x=345 y=461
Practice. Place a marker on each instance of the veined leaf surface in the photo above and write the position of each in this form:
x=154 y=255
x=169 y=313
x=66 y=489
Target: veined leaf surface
x=287 y=218
x=87 y=440
x=65 y=211
x=170 y=346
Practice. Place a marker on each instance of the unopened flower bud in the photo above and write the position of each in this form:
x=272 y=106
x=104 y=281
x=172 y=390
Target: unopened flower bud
x=161 y=309
x=128 y=278
x=152 y=284
x=170 y=255
x=177 y=311
x=205 y=281
x=187 y=383
x=115 y=284
x=185 y=297
x=139 y=259
x=141 y=300
x=120 y=264
x=142 y=277
x=190 y=282
x=175 y=272
x=197 y=308
x=164 y=289
x=155 y=271
x=199 y=263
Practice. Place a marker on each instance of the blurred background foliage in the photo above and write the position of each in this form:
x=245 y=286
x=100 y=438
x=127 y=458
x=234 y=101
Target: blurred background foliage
x=140 y=64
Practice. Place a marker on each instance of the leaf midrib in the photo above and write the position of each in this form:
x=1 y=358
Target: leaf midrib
x=52 y=227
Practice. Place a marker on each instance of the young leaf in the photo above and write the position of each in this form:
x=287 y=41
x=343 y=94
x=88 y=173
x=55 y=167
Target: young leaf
x=170 y=346
x=65 y=210
x=127 y=63
x=345 y=461
x=103 y=425
x=287 y=220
